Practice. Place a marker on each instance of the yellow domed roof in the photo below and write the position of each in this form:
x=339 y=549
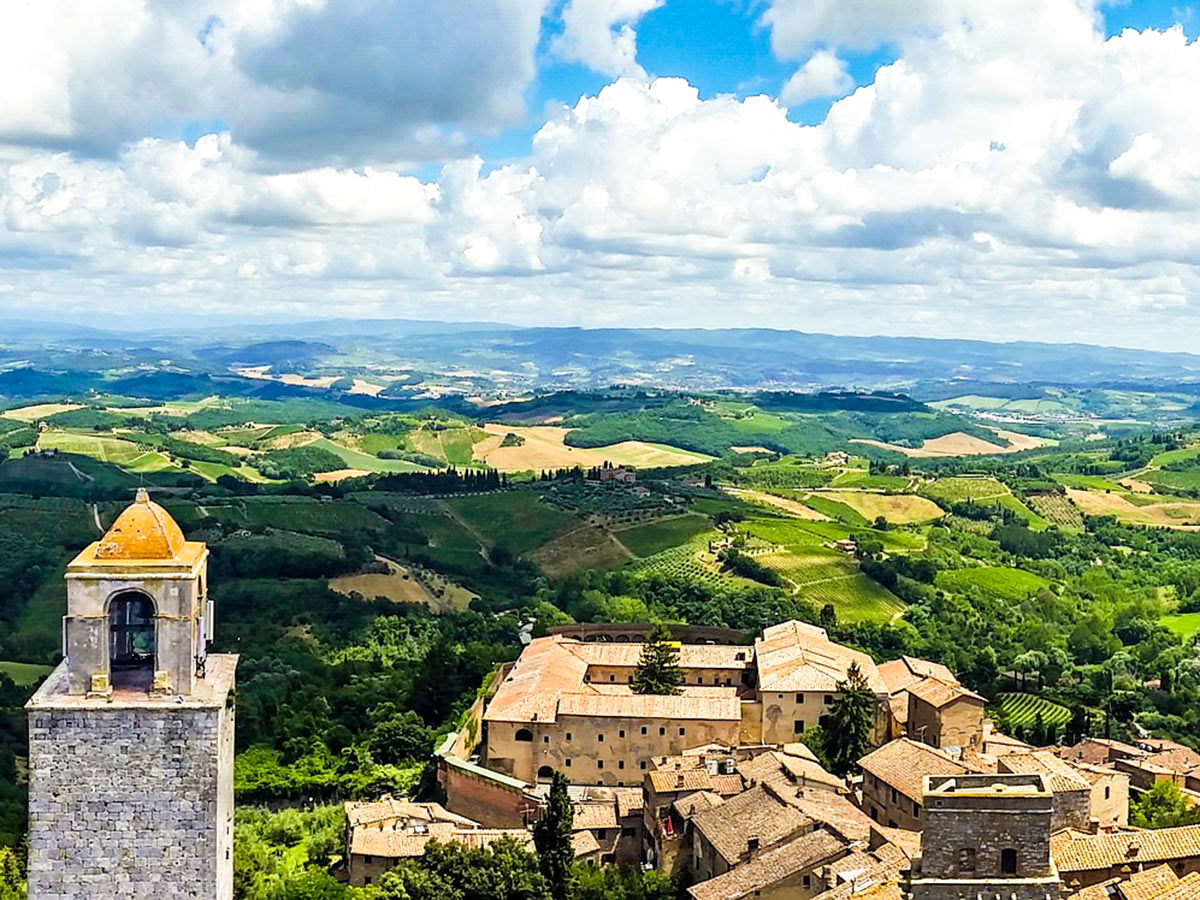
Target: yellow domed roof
x=143 y=531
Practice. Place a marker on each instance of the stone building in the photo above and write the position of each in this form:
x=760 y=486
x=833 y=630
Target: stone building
x=1072 y=791
x=569 y=704
x=985 y=836
x=893 y=781
x=1089 y=859
x=131 y=737
x=931 y=705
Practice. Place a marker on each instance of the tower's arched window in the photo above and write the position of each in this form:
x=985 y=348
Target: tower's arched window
x=131 y=631
x=524 y=734
x=545 y=773
x=1008 y=861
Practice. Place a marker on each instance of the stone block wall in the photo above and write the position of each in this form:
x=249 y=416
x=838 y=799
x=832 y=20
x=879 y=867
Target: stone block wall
x=132 y=803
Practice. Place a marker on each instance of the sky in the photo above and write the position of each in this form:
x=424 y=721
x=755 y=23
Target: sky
x=1025 y=169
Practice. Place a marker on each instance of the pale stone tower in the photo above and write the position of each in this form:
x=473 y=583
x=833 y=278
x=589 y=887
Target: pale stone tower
x=131 y=737
x=985 y=837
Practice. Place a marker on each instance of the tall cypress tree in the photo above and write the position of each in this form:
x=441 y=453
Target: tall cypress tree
x=552 y=838
x=849 y=722
x=658 y=669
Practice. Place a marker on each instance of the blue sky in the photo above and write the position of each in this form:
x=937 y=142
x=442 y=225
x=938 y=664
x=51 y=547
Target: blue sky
x=930 y=167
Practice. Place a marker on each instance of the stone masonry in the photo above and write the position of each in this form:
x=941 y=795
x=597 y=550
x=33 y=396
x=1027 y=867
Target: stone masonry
x=132 y=797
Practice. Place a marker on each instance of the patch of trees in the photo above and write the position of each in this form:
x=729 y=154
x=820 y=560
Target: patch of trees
x=297 y=462
x=748 y=567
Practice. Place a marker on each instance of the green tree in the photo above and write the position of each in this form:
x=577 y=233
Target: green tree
x=1163 y=806
x=552 y=837
x=658 y=669
x=12 y=879
x=850 y=721
x=504 y=870
x=401 y=737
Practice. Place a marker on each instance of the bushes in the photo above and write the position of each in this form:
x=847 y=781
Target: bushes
x=298 y=462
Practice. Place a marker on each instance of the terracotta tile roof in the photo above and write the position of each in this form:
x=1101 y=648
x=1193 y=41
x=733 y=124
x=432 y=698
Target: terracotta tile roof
x=900 y=674
x=834 y=812
x=1185 y=888
x=1061 y=776
x=691 y=656
x=1077 y=852
x=880 y=882
x=755 y=813
x=728 y=785
x=389 y=809
x=792 y=858
x=594 y=815
x=692 y=804
x=903 y=764
x=1098 y=751
x=402 y=844
x=629 y=801
x=1149 y=883
x=795 y=656
x=144 y=530
x=907 y=842
x=801 y=771
x=939 y=693
x=545 y=669
x=653 y=706
x=860 y=861
x=584 y=843
x=669 y=781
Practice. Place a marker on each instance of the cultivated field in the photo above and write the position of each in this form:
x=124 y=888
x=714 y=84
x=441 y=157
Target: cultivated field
x=964 y=490
x=960 y=443
x=899 y=509
x=1056 y=509
x=543 y=448
x=24 y=673
x=1182 y=624
x=1013 y=585
x=799 y=510
x=662 y=534
x=1175 y=514
x=400 y=585
x=39 y=411
x=585 y=547
x=1023 y=709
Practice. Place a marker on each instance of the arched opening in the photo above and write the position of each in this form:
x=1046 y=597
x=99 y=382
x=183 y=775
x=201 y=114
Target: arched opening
x=524 y=734
x=1008 y=861
x=131 y=640
x=545 y=773
x=966 y=860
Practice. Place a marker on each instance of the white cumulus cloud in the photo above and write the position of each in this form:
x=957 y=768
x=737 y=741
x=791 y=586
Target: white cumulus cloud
x=601 y=35
x=823 y=75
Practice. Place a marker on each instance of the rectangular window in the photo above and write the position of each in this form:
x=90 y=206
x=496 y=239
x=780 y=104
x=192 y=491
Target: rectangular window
x=661 y=732
x=568 y=735
x=799 y=698
x=612 y=677
x=798 y=726
x=894 y=796
x=828 y=699
x=643 y=729
x=620 y=763
x=807 y=880
x=621 y=733
x=600 y=738
x=681 y=732
x=567 y=762
x=916 y=808
x=599 y=764
x=642 y=764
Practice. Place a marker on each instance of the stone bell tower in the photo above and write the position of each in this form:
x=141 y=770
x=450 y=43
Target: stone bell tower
x=131 y=737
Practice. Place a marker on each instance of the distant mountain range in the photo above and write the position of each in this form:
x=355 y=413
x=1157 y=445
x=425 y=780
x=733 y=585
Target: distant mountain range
x=504 y=358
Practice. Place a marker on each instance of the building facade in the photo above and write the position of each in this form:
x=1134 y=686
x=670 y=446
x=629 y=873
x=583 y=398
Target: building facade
x=131 y=737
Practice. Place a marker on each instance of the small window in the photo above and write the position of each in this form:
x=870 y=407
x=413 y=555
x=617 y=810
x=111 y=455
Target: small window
x=874 y=812
x=600 y=738
x=682 y=732
x=568 y=735
x=799 y=698
x=567 y=763
x=620 y=763
x=621 y=733
x=368 y=858
x=1107 y=792
x=599 y=764
x=642 y=764
x=524 y=735
x=966 y=859
x=798 y=726
x=916 y=808
x=807 y=881
x=1008 y=861
x=643 y=729
x=546 y=739
x=894 y=795
x=601 y=833
x=661 y=732
x=828 y=699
